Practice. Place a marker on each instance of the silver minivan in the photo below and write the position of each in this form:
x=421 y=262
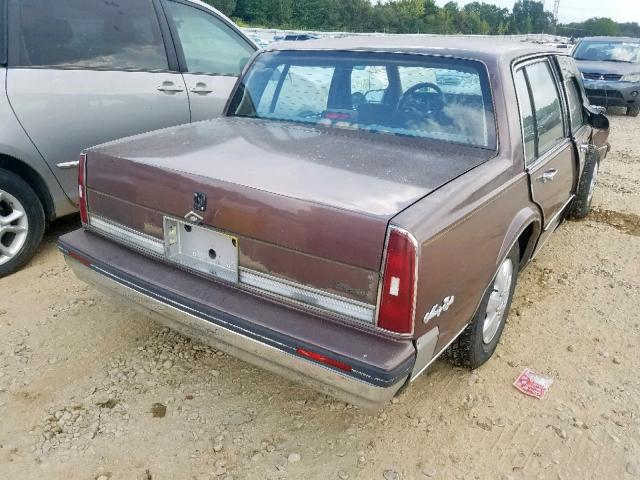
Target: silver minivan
x=76 y=73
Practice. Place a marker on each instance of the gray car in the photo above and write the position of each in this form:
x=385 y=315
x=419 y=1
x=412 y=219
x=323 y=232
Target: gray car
x=77 y=73
x=610 y=67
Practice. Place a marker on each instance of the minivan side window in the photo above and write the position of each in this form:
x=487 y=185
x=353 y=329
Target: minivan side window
x=210 y=46
x=94 y=34
x=547 y=107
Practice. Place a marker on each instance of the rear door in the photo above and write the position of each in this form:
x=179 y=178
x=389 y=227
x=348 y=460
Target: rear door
x=581 y=131
x=83 y=72
x=549 y=150
x=212 y=53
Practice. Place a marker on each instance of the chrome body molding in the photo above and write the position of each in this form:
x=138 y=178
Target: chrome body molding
x=555 y=220
x=437 y=355
x=310 y=297
x=126 y=235
x=186 y=321
x=279 y=288
x=426 y=347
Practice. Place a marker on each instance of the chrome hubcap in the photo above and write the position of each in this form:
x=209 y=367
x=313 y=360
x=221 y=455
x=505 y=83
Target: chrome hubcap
x=594 y=182
x=14 y=227
x=498 y=301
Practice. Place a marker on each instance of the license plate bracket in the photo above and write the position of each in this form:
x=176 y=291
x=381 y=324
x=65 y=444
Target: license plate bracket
x=201 y=249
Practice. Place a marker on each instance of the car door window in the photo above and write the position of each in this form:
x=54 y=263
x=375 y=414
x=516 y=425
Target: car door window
x=527 y=119
x=576 y=106
x=547 y=107
x=93 y=34
x=209 y=45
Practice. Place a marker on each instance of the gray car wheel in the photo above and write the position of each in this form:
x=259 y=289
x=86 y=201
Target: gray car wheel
x=21 y=222
x=633 y=111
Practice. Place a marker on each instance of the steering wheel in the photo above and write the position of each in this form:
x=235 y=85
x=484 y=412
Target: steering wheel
x=417 y=105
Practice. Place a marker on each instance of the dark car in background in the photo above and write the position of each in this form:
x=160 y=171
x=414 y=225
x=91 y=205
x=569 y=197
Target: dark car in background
x=610 y=67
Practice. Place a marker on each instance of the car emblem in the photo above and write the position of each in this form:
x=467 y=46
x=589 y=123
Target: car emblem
x=200 y=202
x=199 y=206
x=439 y=309
x=601 y=77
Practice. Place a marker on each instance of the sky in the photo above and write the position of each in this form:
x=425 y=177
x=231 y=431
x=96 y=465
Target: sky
x=578 y=10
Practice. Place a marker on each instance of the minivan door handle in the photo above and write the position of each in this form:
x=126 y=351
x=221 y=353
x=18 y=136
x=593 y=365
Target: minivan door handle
x=201 y=89
x=170 y=87
x=548 y=176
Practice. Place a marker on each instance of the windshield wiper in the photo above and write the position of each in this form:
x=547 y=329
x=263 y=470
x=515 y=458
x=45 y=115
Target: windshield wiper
x=616 y=60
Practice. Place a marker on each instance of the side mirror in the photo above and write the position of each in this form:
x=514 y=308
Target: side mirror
x=374 y=96
x=597 y=119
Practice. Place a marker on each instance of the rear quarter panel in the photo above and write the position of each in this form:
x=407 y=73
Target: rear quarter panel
x=464 y=230
x=468 y=226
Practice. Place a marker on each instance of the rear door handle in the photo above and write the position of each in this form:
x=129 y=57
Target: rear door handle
x=548 y=176
x=201 y=89
x=170 y=87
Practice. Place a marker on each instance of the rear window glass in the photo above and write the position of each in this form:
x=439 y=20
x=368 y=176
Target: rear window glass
x=90 y=34
x=410 y=95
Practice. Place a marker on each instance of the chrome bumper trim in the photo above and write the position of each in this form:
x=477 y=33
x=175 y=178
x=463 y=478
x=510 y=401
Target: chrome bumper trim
x=265 y=356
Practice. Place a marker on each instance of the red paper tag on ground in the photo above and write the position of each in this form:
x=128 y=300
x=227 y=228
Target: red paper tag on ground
x=532 y=384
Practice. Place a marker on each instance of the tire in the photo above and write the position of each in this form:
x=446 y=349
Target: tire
x=633 y=111
x=22 y=222
x=581 y=205
x=479 y=340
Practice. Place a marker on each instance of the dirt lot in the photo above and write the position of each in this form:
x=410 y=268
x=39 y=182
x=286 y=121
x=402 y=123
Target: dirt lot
x=80 y=378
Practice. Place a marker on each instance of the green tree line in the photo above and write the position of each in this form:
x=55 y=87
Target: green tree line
x=412 y=16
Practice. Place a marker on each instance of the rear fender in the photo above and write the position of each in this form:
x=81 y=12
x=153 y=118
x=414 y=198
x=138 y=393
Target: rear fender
x=528 y=216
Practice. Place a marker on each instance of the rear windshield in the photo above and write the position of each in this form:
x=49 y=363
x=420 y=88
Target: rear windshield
x=608 y=51
x=402 y=94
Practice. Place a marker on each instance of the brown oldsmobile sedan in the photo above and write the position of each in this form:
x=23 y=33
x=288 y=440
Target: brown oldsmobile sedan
x=364 y=206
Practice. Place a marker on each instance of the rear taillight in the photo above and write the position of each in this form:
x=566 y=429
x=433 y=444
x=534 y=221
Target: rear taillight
x=82 y=189
x=397 y=298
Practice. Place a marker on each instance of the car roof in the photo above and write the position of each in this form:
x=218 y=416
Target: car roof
x=613 y=39
x=457 y=46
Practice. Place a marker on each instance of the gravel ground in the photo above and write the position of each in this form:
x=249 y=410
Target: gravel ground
x=92 y=390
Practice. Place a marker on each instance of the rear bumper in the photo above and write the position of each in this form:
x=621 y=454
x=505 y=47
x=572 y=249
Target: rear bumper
x=365 y=386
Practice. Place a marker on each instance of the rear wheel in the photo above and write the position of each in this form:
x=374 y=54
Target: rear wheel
x=633 y=111
x=22 y=222
x=581 y=205
x=479 y=340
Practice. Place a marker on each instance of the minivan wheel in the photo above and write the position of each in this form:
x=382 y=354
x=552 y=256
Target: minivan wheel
x=479 y=340
x=581 y=204
x=22 y=222
x=633 y=111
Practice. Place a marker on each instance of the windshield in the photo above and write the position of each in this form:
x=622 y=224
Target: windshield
x=608 y=51
x=410 y=95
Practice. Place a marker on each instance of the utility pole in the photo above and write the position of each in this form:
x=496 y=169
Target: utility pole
x=556 y=7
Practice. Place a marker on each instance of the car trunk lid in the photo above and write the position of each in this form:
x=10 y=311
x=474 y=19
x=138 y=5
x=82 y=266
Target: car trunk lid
x=329 y=193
